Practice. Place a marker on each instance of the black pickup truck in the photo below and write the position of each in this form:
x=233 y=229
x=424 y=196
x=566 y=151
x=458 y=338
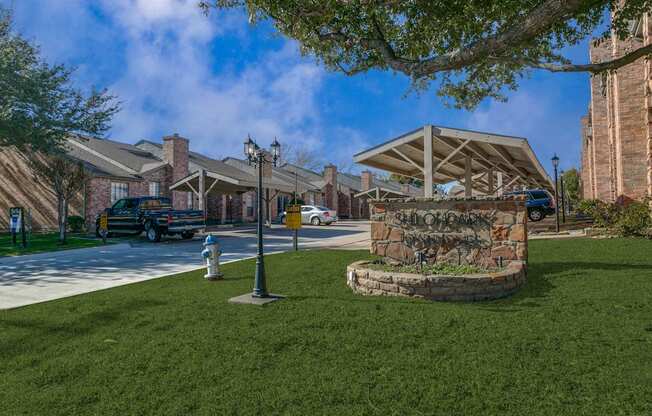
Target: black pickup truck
x=153 y=215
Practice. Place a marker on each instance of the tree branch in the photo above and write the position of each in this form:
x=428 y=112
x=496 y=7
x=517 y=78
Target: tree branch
x=594 y=67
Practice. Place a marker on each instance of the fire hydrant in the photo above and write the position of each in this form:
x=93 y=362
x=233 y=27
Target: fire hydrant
x=212 y=254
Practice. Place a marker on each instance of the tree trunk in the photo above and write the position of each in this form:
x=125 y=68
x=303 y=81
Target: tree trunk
x=63 y=218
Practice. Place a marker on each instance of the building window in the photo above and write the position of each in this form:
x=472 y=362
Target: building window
x=154 y=189
x=119 y=190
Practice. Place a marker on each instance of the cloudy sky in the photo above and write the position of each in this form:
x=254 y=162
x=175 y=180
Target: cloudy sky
x=215 y=79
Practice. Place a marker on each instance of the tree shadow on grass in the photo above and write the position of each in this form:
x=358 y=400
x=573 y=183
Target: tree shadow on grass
x=40 y=331
x=541 y=278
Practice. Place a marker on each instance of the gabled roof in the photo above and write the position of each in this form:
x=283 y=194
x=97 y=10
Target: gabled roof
x=125 y=157
x=449 y=150
x=197 y=161
x=281 y=179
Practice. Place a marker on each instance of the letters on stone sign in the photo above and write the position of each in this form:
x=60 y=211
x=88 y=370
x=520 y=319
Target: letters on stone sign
x=443 y=221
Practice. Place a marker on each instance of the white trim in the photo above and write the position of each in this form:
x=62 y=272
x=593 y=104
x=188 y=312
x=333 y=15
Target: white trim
x=103 y=157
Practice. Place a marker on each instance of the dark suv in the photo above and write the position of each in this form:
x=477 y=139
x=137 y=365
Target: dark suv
x=539 y=203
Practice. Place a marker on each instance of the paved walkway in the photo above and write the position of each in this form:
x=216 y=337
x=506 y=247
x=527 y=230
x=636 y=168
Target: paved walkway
x=41 y=277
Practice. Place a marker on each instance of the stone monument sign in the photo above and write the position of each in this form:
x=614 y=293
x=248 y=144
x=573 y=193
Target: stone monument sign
x=485 y=232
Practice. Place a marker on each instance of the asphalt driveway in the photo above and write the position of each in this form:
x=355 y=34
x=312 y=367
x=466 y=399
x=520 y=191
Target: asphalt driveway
x=41 y=277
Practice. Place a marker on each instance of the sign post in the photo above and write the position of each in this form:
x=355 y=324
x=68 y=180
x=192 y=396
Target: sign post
x=293 y=222
x=104 y=226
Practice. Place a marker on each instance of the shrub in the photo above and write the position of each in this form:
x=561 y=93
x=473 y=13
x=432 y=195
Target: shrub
x=76 y=223
x=604 y=214
x=634 y=219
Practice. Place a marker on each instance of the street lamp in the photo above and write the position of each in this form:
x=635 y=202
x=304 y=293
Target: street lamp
x=257 y=156
x=555 y=164
x=563 y=197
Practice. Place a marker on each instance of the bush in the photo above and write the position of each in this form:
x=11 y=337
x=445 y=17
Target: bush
x=631 y=220
x=76 y=223
x=604 y=214
x=634 y=219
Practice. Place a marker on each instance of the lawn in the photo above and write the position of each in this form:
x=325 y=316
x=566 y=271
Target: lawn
x=39 y=243
x=577 y=340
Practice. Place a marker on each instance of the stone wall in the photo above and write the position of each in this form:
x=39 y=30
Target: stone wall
x=479 y=232
x=366 y=281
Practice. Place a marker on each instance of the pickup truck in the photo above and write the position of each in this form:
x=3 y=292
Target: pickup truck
x=153 y=215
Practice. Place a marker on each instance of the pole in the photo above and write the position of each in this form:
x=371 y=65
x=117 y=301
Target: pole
x=295 y=239
x=260 y=286
x=563 y=199
x=556 y=203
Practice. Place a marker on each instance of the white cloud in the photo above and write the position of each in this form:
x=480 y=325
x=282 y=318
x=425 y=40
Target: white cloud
x=169 y=68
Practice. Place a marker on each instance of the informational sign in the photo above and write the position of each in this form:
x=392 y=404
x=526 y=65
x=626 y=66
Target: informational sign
x=104 y=225
x=15 y=219
x=293 y=217
x=17 y=224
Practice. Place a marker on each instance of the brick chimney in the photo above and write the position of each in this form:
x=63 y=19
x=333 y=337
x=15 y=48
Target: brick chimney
x=175 y=153
x=367 y=180
x=330 y=177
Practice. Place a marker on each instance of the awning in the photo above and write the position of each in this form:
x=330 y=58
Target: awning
x=213 y=183
x=380 y=193
x=439 y=155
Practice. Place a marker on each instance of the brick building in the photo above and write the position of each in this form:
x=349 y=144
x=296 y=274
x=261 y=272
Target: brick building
x=119 y=170
x=617 y=131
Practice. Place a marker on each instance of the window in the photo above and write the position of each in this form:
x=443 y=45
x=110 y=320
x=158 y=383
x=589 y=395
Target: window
x=119 y=190
x=306 y=208
x=120 y=204
x=131 y=203
x=154 y=189
x=539 y=195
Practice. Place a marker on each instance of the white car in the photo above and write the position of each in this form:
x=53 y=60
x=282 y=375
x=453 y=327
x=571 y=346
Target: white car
x=315 y=215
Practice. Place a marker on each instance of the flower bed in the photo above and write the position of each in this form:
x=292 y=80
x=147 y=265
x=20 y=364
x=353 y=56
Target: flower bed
x=365 y=278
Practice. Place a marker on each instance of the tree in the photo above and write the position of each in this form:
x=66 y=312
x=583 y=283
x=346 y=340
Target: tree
x=39 y=107
x=406 y=179
x=303 y=157
x=474 y=48
x=572 y=186
x=65 y=177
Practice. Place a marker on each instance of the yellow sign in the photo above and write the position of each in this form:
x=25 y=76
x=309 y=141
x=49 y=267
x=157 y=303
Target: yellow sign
x=293 y=217
x=104 y=222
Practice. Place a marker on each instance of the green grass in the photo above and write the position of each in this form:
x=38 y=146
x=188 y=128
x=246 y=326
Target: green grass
x=40 y=243
x=577 y=340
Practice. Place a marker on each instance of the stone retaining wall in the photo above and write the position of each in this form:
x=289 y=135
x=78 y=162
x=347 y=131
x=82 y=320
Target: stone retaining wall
x=482 y=231
x=366 y=281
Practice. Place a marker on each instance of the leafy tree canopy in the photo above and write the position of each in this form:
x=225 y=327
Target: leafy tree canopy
x=474 y=48
x=38 y=105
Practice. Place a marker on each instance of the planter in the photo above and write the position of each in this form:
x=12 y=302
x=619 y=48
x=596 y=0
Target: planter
x=472 y=287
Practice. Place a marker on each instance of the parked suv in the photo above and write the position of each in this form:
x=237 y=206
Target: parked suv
x=539 y=203
x=315 y=215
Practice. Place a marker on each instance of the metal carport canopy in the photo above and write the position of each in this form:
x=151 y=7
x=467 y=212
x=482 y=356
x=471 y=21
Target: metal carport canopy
x=439 y=155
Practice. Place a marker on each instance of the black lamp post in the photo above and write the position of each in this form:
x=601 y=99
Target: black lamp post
x=555 y=164
x=563 y=197
x=256 y=155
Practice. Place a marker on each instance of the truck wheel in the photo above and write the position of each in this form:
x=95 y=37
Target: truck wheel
x=535 y=215
x=187 y=235
x=153 y=233
x=315 y=221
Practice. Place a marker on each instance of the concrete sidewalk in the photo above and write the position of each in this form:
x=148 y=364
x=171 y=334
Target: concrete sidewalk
x=25 y=280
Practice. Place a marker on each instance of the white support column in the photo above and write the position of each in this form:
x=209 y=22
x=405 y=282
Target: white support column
x=468 y=177
x=202 y=191
x=500 y=183
x=490 y=181
x=427 y=162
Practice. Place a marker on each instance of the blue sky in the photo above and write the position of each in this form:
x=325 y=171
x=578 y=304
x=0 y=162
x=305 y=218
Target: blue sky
x=215 y=79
